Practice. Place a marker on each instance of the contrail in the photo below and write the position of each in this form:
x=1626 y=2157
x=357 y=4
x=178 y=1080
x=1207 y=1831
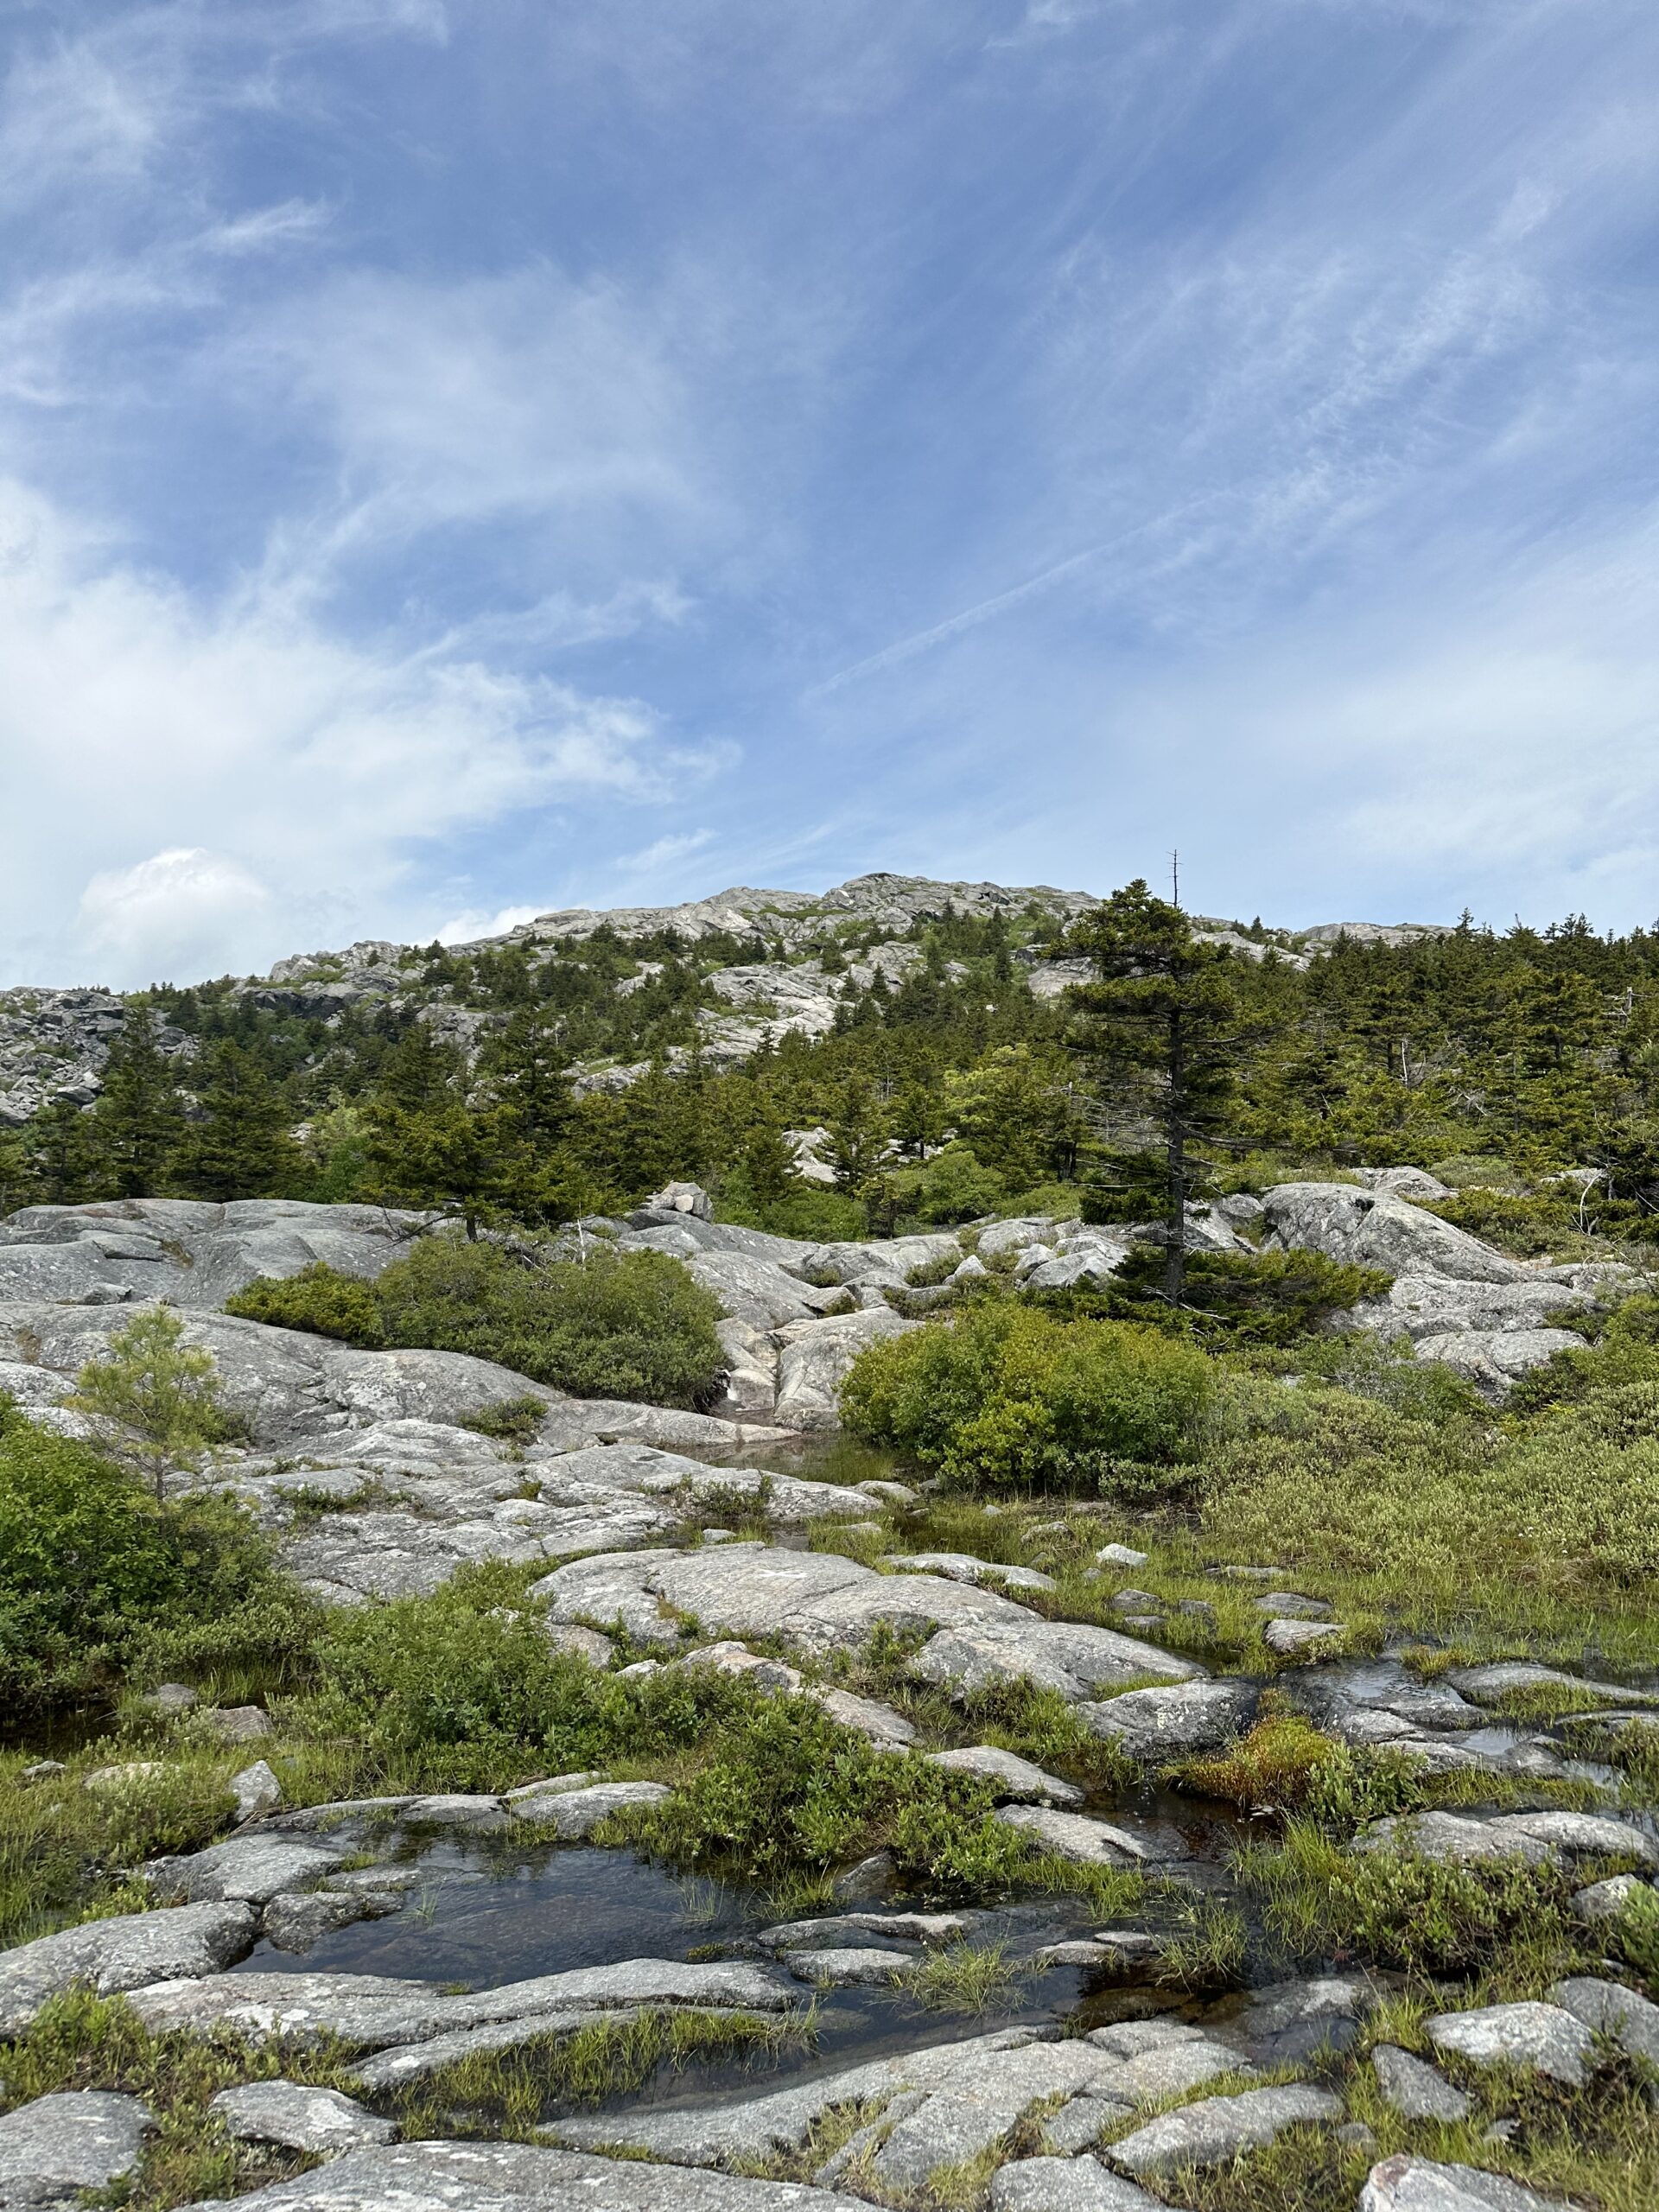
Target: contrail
x=971 y=617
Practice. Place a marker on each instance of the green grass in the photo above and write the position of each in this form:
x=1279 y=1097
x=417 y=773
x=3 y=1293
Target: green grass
x=1397 y=1910
x=62 y=1847
x=515 y=2093
x=83 y=2042
x=969 y=1978
x=1207 y=1947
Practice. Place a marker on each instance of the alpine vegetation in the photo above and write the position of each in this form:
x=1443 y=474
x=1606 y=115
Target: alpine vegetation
x=935 y=1546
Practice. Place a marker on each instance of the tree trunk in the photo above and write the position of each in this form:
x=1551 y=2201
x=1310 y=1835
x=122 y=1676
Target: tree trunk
x=1175 y=1248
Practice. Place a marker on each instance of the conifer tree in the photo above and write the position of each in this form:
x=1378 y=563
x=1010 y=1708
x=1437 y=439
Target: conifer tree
x=56 y=1156
x=241 y=1147
x=1161 y=1023
x=139 y=1117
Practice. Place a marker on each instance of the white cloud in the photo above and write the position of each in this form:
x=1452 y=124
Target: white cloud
x=170 y=912
x=451 y=402
x=663 y=853
x=467 y=927
x=152 y=737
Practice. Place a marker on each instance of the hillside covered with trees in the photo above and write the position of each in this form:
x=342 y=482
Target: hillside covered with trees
x=539 y=1080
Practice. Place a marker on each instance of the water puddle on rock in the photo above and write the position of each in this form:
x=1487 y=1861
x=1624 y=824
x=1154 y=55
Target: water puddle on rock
x=476 y=1916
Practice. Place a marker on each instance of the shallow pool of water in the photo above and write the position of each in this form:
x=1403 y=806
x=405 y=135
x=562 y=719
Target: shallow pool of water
x=479 y=1917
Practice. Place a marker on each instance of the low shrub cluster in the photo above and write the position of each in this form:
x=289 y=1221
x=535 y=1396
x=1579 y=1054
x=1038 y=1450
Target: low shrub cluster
x=464 y=1685
x=319 y=1301
x=95 y=1575
x=1453 y=1513
x=608 y=1325
x=1398 y=1910
x=1231 y=1299
x=1286 y=1766
x=790 y=1790
x=1007 y=1398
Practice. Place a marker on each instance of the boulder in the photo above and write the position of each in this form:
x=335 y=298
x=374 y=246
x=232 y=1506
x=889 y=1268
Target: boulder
x=962 y=1567
x=296 y=2118
x=58 y=2146
x=1407 y=2184
x=1414 y=2089
x=1153 y=1725
x=1015 y=1780
x=1544 y=1839
x=822 y=1603
x=256 y=1790
x=572 y=1815
x=252 y=1869
x=887 y=1729
x=1286 y=1639
x=833 y=1968
x=1539 y=2038
x=1128 y=1842
x=127 y=1953
x=814 y=1358
x=833 y=1929
x=1606 y=1900
x=1375 y=1230
x=1290 y=2020
x=1218 y=2129
x=1610 y=2009
x=295 y=1923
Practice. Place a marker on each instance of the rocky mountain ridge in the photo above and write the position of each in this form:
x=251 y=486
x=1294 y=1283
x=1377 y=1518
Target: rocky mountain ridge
x=55 y=1043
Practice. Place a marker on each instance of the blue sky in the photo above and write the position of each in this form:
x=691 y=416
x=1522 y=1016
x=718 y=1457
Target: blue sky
x=461 y=460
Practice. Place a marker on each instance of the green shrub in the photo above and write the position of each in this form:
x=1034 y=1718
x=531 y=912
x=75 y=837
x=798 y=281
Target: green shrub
x=1284 y=1765
x=1452 y=1512
x=1232 y=1298
x=1527 y=1227
x=1390 y=1375
x=789 y=1789
x=1400 y=1910
x=1627 y=1352
x=90 y=1566
x=465 y=1685
x=318 y=1300
x=955 y=1186
x=631 y=1325
x=1466 y=1170
x=1012 y=1398
x=514 y=1421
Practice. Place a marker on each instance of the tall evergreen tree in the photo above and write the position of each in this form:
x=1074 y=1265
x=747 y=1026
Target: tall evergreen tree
x=58 y=1157
x=1161 y=1022
x=241 y=1147
x=139 y=1117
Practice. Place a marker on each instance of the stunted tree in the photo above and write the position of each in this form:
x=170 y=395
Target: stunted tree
x=1160 y=1025
x=155 y=1401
